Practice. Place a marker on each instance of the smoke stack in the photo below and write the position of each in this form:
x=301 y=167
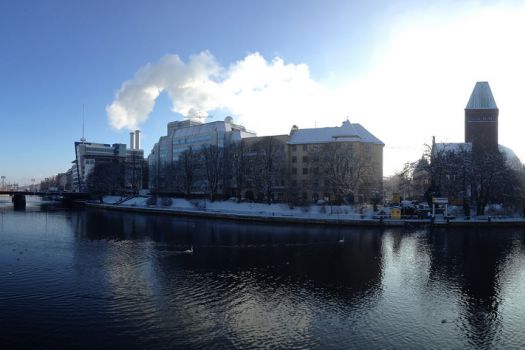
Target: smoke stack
x=137 y=139
x=131 y=140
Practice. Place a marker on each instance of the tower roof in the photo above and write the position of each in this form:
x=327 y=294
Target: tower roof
x=481 y=97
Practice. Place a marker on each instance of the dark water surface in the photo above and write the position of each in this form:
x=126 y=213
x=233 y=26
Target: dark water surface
x=95 y=279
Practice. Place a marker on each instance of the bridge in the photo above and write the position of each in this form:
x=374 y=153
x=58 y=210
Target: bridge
x=19 y=197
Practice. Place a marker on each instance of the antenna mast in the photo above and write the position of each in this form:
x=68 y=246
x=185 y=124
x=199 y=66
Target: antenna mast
x=82 y=139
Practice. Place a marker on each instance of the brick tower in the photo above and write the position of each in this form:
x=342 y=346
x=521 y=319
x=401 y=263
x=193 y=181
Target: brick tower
x=481 y=119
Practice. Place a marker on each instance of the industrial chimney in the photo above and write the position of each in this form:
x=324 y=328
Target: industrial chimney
x=137 y=139
x=131 y=140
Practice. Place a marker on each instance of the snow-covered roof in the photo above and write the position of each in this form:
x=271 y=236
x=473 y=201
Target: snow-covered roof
x=347 y=132
x=512 y=159
x=481 y=97
x=452 y=146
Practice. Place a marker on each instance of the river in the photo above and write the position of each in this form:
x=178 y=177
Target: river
x=89 y=278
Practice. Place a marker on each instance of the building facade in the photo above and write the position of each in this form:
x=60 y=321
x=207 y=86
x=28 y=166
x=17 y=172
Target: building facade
x=337 y=164
x=129 y=161
x=186 y=139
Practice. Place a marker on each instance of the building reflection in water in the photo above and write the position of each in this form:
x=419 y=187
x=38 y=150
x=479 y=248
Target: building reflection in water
x=471 y=261
x=262 y=282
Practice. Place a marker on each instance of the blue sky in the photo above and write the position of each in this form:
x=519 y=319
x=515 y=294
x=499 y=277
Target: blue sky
x=60 y=55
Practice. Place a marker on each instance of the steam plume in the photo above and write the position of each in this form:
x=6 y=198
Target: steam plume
x=258 y=92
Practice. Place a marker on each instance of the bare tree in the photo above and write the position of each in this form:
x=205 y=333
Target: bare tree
x=48 y=182
x=235 y=169
x=169 y=179
x=187 y=166
x=268 y=164
x=344 y=168
x=450 y=170
x=213 y=158
x=478 y=178
x=406 y=178
x=106 y=178
x=492 y=180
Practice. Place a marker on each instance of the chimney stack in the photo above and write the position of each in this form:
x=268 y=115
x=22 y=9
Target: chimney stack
x=131 y=140
x=137 y=139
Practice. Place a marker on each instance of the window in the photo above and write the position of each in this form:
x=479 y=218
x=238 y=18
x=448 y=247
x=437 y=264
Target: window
x=294 y=159
x=294 y=171
x=294 y=183
x=294 y=148
x=316 y=171
x=305 y=171
x=305 y=159
x=305 y=147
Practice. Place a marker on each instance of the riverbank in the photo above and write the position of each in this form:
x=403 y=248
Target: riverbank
x=282 y=213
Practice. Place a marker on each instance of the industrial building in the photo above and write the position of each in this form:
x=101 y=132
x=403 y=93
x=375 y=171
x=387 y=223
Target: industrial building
x=89 y=154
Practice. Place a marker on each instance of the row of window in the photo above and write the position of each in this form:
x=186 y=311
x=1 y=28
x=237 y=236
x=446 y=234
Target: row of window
x=482 y=119
x=314 y=171
x=314 y=184
x=100 y=150
x=305 y=159
x=294 y=147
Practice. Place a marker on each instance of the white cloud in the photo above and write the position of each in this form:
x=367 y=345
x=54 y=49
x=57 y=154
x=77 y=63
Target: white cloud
x=267 y=96
x=189 y=85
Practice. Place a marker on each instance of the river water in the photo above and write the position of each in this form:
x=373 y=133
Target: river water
x=89 y=279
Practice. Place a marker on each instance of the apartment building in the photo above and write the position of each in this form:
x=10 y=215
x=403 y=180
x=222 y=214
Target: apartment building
x=336 y=163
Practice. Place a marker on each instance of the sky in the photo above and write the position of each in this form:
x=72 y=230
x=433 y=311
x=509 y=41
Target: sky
x=402 y=69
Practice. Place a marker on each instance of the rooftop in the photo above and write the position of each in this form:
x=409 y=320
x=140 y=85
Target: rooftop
x=347 y=132
x=481 y=97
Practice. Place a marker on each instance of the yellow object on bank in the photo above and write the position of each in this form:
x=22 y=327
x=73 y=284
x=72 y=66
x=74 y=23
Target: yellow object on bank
x=395 y=213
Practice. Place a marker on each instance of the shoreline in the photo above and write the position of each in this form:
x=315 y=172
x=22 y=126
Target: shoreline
x=337 y=220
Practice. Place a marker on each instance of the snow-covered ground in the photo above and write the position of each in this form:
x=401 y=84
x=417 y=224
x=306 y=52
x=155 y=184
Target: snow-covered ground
x=243 y=208
x=282 y=210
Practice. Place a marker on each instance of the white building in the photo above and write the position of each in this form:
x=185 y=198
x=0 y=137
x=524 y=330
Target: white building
x=88 y=154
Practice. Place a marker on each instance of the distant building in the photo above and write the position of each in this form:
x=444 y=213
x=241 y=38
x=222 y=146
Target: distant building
x=88 y=154
x=479 y=170
x=65 y=180
x=481 y=127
